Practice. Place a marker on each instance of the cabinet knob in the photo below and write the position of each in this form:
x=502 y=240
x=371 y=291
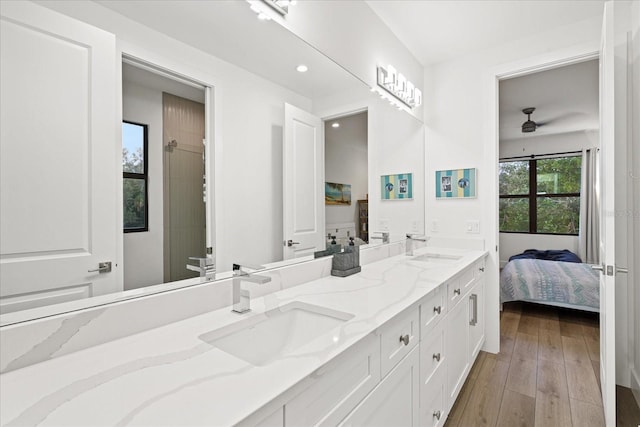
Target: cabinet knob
x=456 y=291
x=404 y=339
x=481 y=269
x=437 y=309
x=436 y=356
x=437 y=415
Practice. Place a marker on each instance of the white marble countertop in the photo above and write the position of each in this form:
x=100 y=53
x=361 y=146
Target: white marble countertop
x=169 y=376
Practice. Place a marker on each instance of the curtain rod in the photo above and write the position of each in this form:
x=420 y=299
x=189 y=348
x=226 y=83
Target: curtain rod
x=533 y=156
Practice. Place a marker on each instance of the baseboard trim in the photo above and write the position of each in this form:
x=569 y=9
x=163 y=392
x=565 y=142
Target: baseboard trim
x=635 y=385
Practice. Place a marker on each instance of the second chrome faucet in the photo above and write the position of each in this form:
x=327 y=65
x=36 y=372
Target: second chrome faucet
x=241 y=297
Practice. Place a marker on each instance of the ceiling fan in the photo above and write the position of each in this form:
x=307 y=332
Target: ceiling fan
x=530 y=125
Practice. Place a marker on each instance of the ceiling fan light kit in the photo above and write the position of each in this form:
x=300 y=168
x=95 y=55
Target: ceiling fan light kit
x=529 y=125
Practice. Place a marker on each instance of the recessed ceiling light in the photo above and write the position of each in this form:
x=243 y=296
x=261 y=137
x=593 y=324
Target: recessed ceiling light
x=302 y=68
x=335 y=125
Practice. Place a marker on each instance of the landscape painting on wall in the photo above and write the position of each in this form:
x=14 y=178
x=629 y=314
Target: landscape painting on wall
x=456 y=183
x=397 y=187
x=337 y=194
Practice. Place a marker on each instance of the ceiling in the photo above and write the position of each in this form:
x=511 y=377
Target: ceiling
x=230 y=30
x=440 y=30
x=565 y=98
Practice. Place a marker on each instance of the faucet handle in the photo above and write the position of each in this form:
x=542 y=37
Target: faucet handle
x=203 y=262
x=243 y=267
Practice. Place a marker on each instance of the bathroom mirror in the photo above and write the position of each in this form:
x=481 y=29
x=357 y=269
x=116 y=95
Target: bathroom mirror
x=250 y=95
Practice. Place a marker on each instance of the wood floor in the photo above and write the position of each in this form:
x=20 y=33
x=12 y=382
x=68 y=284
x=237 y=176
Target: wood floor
x=546 y=374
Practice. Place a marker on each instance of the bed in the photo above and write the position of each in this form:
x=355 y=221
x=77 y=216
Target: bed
x=556 y=278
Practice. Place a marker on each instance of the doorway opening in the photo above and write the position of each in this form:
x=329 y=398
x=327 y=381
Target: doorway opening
x=346 y=178
x=171 y=110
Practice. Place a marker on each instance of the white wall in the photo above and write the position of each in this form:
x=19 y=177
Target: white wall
x=514 y=243
x=461 y=132
x=143 y=251
x=346 y=162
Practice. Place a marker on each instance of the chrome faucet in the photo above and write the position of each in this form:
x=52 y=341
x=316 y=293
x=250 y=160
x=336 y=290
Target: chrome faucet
x=206 y=267
x=410 y=239
x=241 y=297
x=384 y=237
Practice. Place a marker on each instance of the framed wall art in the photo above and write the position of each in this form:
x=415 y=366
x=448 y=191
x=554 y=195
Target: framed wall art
x=337 y=194
x=456 y=184
x=397 y=187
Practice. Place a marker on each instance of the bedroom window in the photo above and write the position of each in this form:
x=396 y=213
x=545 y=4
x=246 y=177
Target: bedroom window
x=540 y=196
x=134 y=174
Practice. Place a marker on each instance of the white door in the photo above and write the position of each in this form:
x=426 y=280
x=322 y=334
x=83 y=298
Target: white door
x=59 y=158
x=303 y=176
x=613 y=186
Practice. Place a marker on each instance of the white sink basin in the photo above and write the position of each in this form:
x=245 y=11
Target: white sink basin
x=436 y=258
x=261 y=339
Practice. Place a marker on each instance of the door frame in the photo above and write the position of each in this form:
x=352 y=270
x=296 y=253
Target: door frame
x=178 y=71
x=490 y=138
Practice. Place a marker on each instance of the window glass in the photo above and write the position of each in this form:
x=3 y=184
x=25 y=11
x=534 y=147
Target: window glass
x=514 y=177
x=133 y=148
x=134 y=201
x=514 y=215
x=558 y=215
x=559 y=176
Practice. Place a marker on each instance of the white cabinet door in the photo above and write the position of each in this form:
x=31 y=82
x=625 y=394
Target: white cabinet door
x=476 y=320
x=457 y=348
x=394 y=402
x=303 y=176
x=59 y=145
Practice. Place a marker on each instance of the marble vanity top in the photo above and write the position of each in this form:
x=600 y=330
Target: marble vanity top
x=169 y=376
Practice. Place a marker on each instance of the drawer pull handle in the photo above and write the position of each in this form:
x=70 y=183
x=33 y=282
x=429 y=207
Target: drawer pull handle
x=437 y=309
x=437 y=415
x=404 y=339
x=481 y=269
x=456 y=291
x=436 y=356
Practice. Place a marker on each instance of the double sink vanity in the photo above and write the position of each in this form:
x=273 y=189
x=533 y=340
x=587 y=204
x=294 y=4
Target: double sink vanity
x=391 y=345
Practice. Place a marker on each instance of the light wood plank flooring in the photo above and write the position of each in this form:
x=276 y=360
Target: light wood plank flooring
x=546 y=374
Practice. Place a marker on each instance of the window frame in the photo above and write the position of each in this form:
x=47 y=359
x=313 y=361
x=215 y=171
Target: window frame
x=144 y=176
x=533 y=196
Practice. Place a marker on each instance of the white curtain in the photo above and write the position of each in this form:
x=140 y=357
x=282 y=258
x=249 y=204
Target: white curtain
x=589 y=208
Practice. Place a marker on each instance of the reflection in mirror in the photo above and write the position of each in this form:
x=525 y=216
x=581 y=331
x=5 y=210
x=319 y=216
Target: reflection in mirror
x=254 y=73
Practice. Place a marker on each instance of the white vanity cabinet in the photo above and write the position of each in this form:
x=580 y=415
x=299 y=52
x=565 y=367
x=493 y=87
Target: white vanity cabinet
x=409 y=372
x=465 y=330
x=395 y=401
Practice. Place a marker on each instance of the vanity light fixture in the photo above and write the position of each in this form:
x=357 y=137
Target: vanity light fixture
x=280 y=6
x=404 y=93
x=335 y=125
x=302 y=68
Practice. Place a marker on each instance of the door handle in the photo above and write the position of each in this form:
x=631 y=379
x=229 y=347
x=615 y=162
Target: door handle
x=291 y=243
x=621 y=270
x=474 y=307
x=103 y=267
x=598 y=268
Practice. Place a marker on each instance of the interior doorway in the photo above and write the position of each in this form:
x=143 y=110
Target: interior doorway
x=346 y=177
x=172 y=112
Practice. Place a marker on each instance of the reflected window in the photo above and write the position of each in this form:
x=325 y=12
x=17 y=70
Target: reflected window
x=134 y=174
x=540 y=196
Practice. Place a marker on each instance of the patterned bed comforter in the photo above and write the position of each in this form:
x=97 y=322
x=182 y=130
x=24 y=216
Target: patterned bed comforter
x=550 y=281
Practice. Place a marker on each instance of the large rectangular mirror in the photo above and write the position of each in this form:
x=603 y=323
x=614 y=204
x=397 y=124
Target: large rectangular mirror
x=259 y=105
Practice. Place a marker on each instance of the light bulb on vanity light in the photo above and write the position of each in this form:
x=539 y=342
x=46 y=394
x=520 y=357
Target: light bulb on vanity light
x=335 y=125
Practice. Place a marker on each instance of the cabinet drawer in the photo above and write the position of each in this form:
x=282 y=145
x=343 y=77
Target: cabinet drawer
x=432 y=309
x=454 y=292
x=479 y=267
x=466 y=278
x=433 y=411
x=398 y=337
x=432 y=355
x=337 y=387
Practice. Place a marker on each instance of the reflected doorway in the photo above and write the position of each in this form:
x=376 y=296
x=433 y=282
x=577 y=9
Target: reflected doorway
x=346 y=178
x=172 y=111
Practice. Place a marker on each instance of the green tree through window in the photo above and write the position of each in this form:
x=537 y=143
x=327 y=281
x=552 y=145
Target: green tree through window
x=134 y=174
x=540 y=195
